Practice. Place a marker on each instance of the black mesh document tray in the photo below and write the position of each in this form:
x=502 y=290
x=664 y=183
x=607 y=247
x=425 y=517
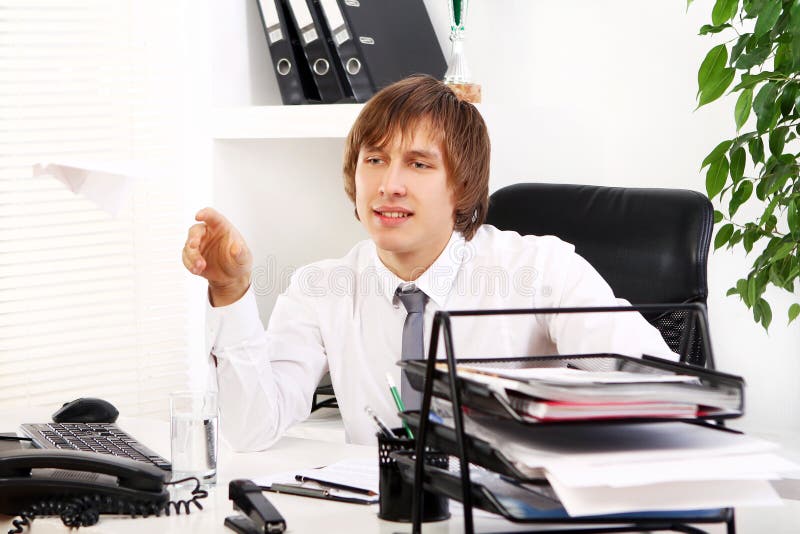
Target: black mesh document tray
x=488 y=480
x=726 y=388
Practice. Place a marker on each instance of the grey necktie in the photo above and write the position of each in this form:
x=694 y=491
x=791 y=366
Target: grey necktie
x=413 y=341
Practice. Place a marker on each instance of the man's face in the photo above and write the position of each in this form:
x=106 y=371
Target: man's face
x=403 y=197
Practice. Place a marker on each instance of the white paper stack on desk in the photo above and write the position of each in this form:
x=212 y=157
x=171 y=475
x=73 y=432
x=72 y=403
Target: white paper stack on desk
x=627 y=467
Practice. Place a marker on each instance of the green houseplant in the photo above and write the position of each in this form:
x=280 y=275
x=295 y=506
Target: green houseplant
x=760 y=60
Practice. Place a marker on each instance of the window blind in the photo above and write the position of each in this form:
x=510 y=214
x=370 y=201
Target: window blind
x=90 y=304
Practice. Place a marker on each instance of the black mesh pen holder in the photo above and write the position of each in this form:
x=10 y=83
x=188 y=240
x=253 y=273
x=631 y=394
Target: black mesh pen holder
x=396 y=494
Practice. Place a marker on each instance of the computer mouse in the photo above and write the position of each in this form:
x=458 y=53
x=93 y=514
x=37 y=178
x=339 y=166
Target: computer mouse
x=86 y=410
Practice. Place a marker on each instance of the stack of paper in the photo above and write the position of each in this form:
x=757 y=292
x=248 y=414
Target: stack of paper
x=567 y=393
x=614 y=468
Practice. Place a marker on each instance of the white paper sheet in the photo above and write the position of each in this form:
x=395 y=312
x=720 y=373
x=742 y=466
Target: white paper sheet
x=106 y=183
x=667 y=496
x=355 y=472
x=729 y=467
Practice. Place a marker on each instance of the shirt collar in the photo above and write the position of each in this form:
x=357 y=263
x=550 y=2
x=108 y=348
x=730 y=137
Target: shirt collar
x=436 y=281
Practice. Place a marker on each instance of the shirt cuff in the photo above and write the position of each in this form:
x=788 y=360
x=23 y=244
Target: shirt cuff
x=232 y=324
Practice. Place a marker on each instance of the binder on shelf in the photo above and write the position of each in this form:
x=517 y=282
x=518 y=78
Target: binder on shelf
x=382 y=41
x=292 y=73
x=317 y=54
x=347 y=54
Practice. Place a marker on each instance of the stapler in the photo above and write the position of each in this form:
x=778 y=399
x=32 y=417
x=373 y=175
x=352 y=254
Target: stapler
x=260 y=516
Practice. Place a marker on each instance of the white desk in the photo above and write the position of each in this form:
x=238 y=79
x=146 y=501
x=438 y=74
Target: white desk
x=304 y=515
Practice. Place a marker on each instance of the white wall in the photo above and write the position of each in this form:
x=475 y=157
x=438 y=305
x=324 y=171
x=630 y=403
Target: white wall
x=591 y=91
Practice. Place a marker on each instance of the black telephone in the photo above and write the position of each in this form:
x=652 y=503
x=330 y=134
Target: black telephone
x=78 y=486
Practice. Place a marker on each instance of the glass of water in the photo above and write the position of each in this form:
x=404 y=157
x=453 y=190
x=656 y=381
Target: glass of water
x=193 y=435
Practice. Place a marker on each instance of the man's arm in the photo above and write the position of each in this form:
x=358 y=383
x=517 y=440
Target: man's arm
x=266 y=379
x=578 y=284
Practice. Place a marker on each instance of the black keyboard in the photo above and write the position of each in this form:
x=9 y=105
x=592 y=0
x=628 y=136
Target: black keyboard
x=105 y=438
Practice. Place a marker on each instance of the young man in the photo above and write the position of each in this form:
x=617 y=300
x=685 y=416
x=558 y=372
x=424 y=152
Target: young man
x=416 y=166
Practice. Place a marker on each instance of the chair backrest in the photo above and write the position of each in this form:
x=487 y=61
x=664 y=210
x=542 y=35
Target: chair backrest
x=650 y=245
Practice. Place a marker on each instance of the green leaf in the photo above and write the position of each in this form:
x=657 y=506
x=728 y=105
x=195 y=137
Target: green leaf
x=788 y=99
x=723 y=234
x=723 y=11
x=784 y=250
x=714 y=62
x=775 y=275
x=731 y=291
x=756 y=147
x=707 y=29
x=793 y=216
x=794 y=47
x=716 y=86
x=765 y=312
x=717 y=153
x=738 y=48
x=735 y=238
x=777 y=140
x=713 y=77
x=750 y=237
x=755 y=57
x=751 y=290
x=783 y=58
x=742 y=110
x=741 y=288
x=751 y=80
x=740 y=196
x=752 y=8
x=794 y=311
x=781 y=171
x=768 y=17
x=738 y=159
x=764 y=106
x=717 y=217
x=716 y=177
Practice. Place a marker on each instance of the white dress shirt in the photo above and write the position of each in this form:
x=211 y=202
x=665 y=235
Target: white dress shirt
x=342 y=316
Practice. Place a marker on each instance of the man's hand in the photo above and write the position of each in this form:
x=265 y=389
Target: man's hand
x=216 y=251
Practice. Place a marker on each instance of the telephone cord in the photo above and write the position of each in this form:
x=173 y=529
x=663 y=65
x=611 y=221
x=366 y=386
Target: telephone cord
x=83 y=511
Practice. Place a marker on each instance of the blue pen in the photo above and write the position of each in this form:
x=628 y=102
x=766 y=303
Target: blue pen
x=435 y=418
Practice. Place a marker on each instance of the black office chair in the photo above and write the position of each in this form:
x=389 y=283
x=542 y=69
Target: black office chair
x=651 y=245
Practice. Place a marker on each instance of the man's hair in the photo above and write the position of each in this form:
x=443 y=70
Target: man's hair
x=402 y=107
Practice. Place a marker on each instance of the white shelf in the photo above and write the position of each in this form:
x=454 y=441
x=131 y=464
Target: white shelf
x=284 y=122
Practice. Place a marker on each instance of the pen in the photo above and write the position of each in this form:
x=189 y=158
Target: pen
x=335 y=485
x=398 y=402
x=385 y=430
x=297 y=489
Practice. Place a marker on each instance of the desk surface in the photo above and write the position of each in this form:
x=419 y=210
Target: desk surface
x=300 y=449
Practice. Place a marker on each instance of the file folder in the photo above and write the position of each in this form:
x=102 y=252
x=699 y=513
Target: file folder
x=316 y=51
x=294 y=78
x=388 y=39
x=348 y=55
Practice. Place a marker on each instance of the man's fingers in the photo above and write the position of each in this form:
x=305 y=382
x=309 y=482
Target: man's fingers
x=239 y=252
x=196 y=234
x=193 y=260
x=211 y=217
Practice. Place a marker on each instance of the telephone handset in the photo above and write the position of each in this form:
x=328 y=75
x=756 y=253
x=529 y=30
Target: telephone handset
x=80 y=485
